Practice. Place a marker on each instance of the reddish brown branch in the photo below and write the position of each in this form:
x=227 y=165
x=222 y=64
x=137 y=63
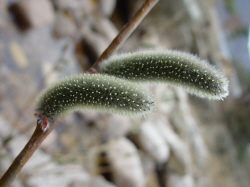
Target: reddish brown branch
x=126 y=31
x=39 y=135
x=35 y=141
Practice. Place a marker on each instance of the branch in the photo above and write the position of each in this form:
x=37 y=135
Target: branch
x=40 y=134
x=35 y=141
x=125 y=32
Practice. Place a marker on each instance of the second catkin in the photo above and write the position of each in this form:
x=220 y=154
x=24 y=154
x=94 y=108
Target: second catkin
x=176 y=68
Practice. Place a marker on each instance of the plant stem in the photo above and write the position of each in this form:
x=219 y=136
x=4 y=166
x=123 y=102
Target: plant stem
x=35 y=141
x=39 y=135
x=126 y=31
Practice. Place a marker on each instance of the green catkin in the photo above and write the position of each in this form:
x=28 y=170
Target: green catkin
x=94 y=91
x=173 y=67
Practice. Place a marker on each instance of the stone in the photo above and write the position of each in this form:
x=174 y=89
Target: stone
x=94 y=42
x=57 y=175
x=106 y=6
x=186 y=124
x=175 y=180
x=165 y=101
x=92 y=182
x=152 y=142
x=117 y=125
x=63 y=25
x=33 y=13
x=125 y=163
x=105 y=27
x=180 y=160
x=18 y=55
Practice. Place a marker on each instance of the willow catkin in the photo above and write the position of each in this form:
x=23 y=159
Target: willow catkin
x=94 y=91
x=173 y=67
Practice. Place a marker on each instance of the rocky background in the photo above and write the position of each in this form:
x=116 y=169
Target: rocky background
x=186 y=141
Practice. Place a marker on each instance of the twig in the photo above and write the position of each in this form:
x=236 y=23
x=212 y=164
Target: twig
x=126 y=31
x=35 y=141
x=39 y=135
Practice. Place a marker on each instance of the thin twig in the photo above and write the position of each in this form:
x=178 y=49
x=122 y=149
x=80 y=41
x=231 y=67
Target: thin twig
x=39 y=135
x=125 y=32
x=35 y=141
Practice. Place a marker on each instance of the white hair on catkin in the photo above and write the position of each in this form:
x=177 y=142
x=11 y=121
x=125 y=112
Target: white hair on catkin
x=176 y=68
x=94 y=91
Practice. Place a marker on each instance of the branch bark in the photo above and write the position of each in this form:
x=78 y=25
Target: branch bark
x=39 y=135
x=125 y=32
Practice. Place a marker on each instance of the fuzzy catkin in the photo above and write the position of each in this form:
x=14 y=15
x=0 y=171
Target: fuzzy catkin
x=94 y=91
x=173 y=67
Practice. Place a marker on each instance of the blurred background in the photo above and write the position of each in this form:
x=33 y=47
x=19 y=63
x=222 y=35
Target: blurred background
x=186 y=141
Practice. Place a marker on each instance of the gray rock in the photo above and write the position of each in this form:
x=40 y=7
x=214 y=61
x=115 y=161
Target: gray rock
x=180 y=159
x=175 y=180
x=63 y=26
x=92 y=182
x=125 y=163
x=188 y=128
x=34 y=13
x=152 y=142
x=105 y=27
x=106 y=6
